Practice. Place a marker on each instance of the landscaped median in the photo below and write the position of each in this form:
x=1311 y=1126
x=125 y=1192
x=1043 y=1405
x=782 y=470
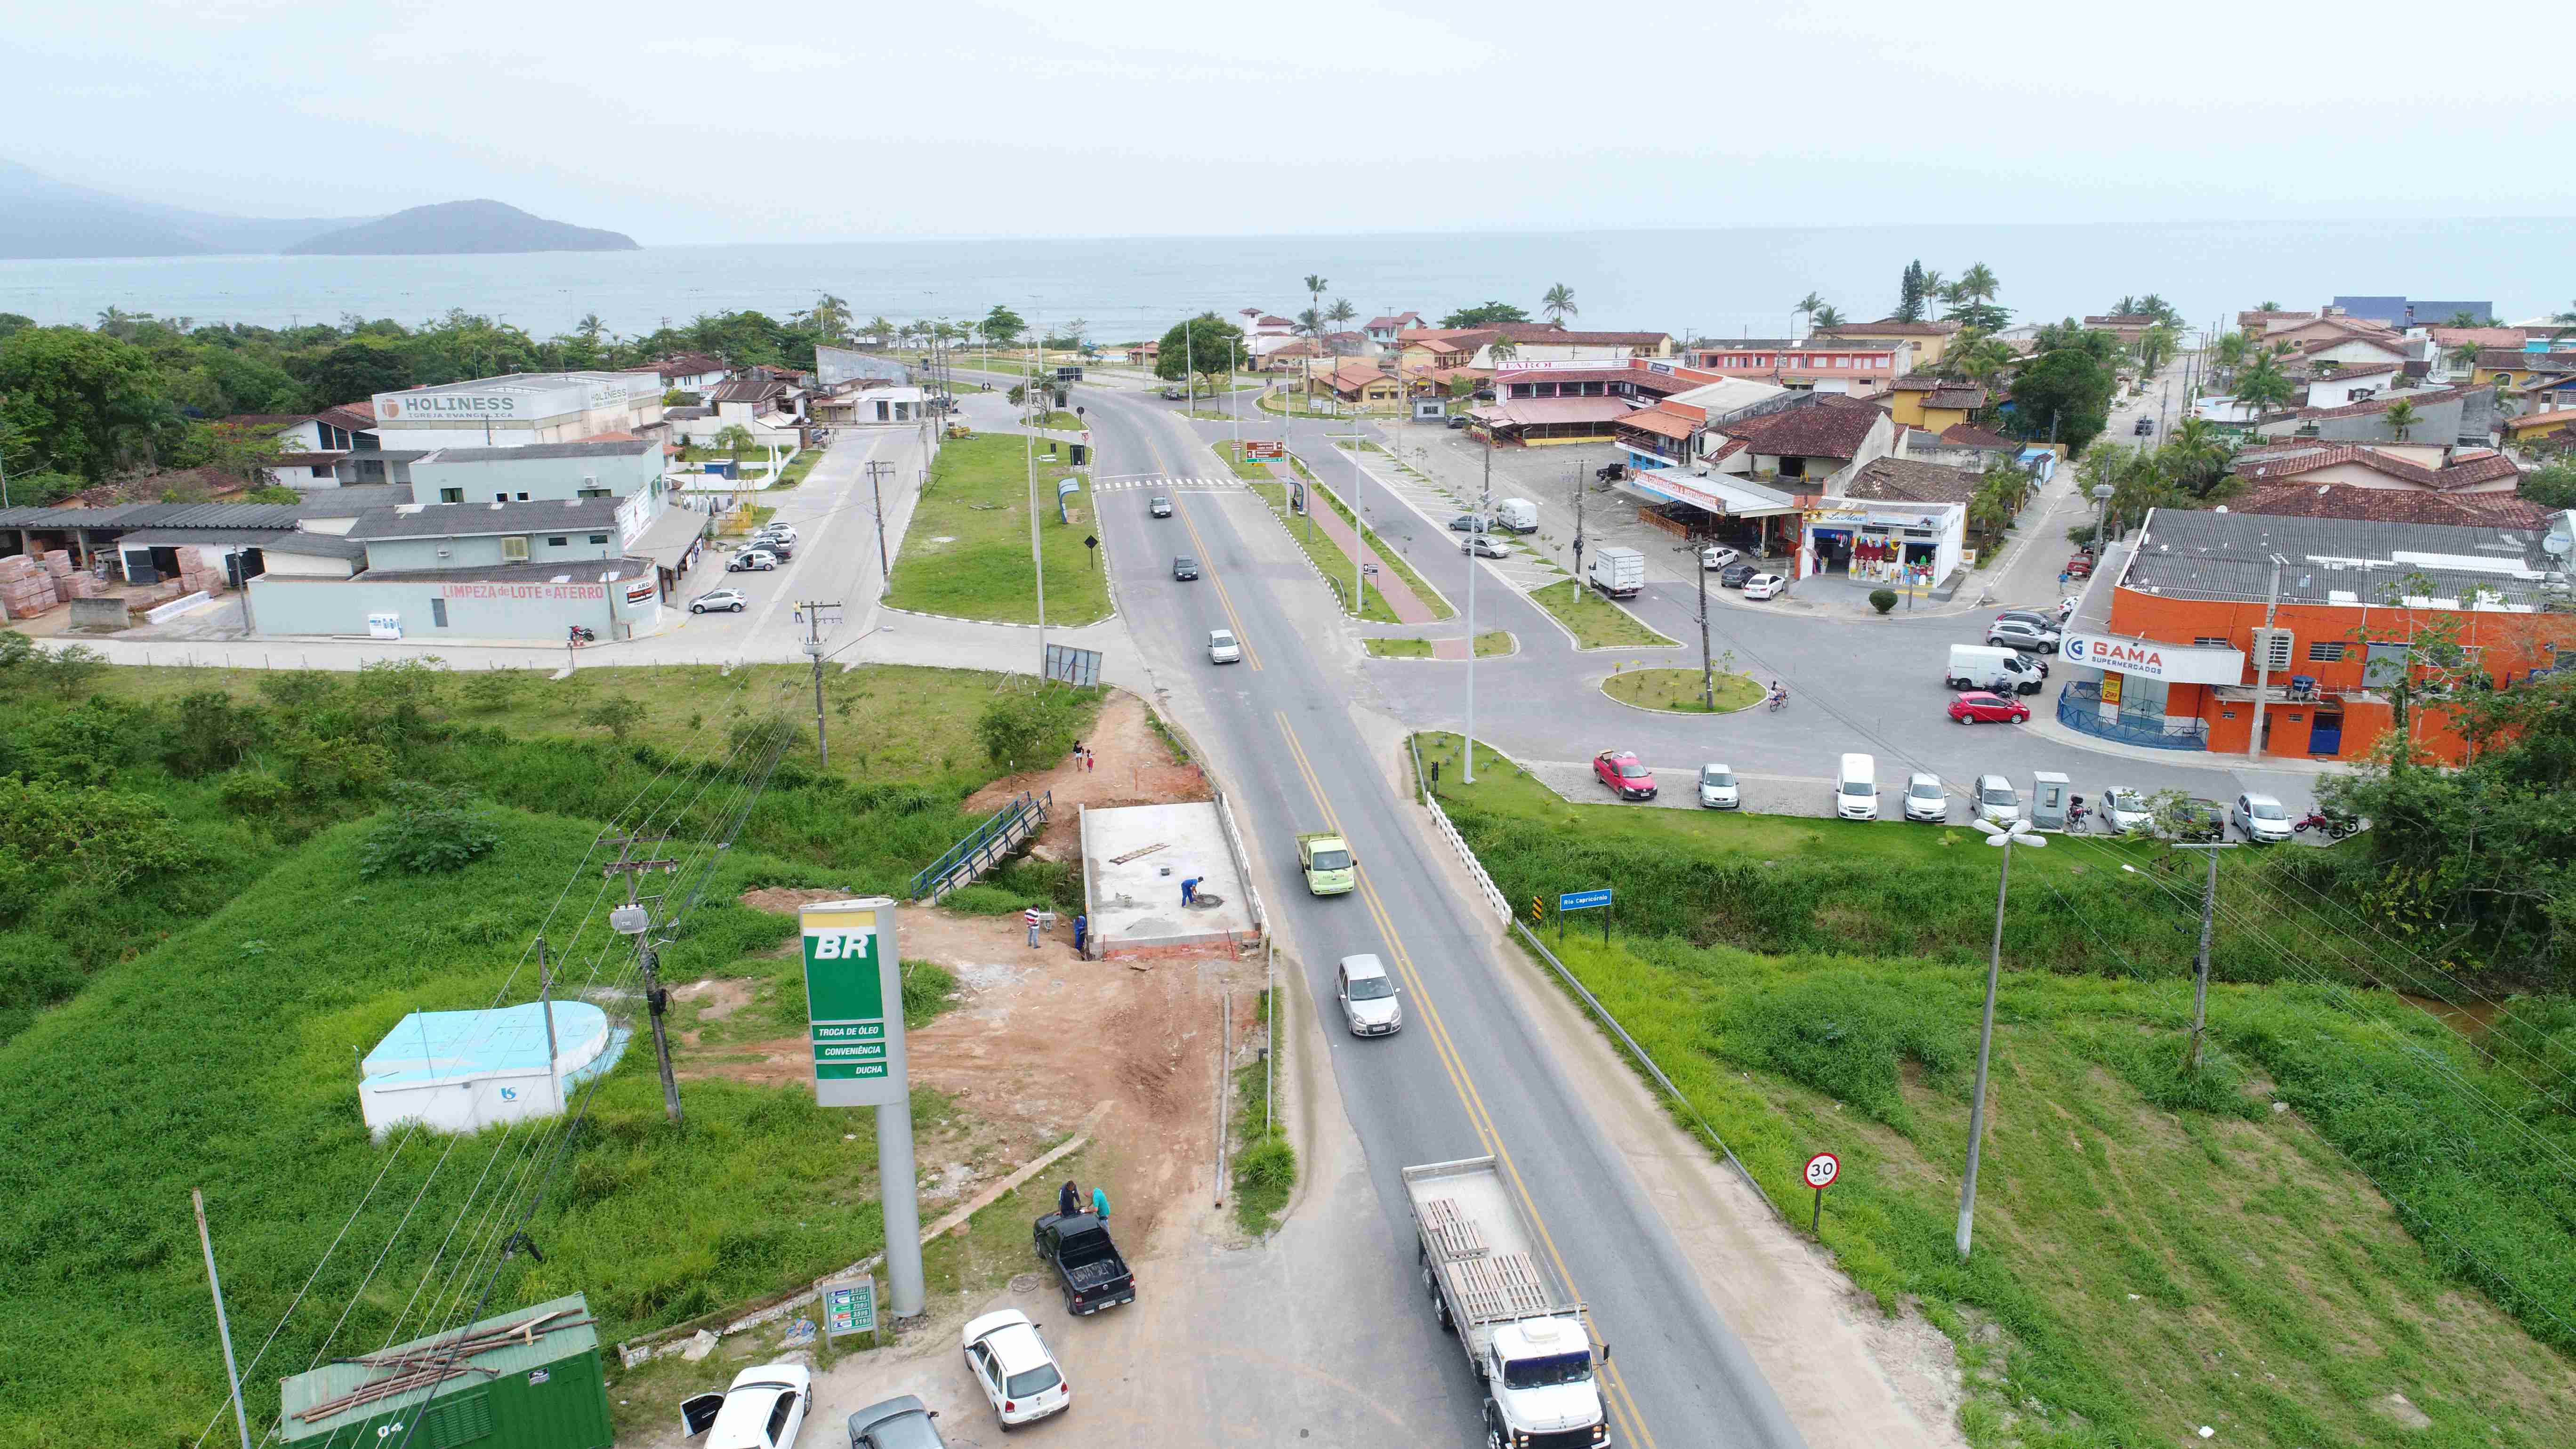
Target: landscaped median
x=1488 y=644
x=1595 y=622
x=966 y=553
x=1682 y=691
x=2155 y=1250
x=1330 y=558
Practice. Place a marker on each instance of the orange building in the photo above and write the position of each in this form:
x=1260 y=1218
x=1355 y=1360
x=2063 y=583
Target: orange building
x=2182 y=650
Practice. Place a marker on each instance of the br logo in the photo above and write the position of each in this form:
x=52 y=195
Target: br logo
x=841 y=946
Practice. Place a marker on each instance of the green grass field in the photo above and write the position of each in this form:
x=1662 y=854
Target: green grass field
x=1596 y=622
x=1489 y=644
x=967 y=551
x=214 y=1026
x=2155 y=1250
x=1681 y=691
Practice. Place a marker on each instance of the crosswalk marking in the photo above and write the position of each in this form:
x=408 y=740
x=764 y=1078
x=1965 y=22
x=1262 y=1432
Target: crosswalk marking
x=1118 y=485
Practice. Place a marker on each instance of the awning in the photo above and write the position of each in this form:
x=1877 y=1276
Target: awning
x=666 y=540
x=1713 y=492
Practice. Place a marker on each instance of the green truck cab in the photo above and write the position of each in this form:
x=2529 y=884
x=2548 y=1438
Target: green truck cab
x=1328 y=863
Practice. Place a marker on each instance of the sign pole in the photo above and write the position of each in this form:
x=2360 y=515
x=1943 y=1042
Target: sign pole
x=1820 y=1172
x=854 y=1009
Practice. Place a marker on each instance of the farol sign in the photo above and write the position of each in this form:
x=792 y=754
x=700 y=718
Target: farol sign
x=2149 y=659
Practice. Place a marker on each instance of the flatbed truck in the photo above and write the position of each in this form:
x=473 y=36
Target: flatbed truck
x=1524 y=1335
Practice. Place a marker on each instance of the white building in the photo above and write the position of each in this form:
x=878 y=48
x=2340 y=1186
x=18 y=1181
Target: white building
x=519 y=410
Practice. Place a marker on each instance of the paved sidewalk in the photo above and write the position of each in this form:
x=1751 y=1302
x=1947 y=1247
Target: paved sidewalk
x=1399 y=595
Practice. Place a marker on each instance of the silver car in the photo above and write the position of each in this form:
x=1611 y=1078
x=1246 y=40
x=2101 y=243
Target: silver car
x=2260 y=818
x=1997 y=800
x=1925 y=799
x=1717 y=788
x=1222 y=648
x=1368 y=997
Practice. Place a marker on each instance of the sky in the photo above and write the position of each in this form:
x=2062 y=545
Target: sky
x=688 y=123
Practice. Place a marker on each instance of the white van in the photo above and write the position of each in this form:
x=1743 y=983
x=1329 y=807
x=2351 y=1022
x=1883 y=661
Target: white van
x=1990 y=666
x=1517 y=514
x=1856 y=788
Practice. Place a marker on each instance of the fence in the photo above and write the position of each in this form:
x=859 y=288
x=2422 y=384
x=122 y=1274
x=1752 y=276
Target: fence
x=2079 y=708
x=983 y=847
x=1440 y=820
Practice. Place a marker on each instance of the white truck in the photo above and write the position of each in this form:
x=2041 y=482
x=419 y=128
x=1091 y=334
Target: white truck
x=1517 y=514
x=1524 y=1335
x=1993 y=667
x=1618 y=572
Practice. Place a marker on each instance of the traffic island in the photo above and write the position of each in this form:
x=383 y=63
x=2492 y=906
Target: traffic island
x=1595 y=622
x=1681 y=691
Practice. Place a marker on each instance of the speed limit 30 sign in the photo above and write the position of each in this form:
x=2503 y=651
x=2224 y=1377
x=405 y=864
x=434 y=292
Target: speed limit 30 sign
x=1821 y=1171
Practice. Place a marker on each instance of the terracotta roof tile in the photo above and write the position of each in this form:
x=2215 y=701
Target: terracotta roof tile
x=1969 y=435
x=1911 y=480
x=2393 y=505
x=1830 y=425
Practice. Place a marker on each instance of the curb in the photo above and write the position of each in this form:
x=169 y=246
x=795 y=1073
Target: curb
x=1512 y=653
x=1579 y=646
x=1604 y=687
x=996 y=623
x=1360 y=531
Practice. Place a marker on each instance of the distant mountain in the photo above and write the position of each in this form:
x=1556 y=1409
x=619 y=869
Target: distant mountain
x=42 y=217
x=456 y=227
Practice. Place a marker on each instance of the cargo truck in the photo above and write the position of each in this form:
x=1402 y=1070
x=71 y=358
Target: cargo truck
x=1327 y=862
x=1618 y=572
x=1523 y=1333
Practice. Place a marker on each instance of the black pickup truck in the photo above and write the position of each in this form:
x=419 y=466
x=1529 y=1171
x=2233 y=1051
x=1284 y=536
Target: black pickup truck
x=1086 y=1262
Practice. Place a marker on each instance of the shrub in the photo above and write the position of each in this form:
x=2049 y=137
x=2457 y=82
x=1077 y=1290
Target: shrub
x=1271 y=1167
x=762 y=737
x=487 y=690
x=254 y=792
x=297 y=688
x=213 y=734
x=616 y=714
x=431 y=829
x=1882 y=599
x=1027 y=728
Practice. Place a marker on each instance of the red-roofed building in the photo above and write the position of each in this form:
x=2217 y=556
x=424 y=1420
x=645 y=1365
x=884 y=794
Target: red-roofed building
x=2423 y=468
x=1387 y=331
x=1822 y=364
x=2393 y=505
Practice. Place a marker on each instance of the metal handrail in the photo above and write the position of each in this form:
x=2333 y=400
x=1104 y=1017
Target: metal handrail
x=983 y=845
x=2079 y=708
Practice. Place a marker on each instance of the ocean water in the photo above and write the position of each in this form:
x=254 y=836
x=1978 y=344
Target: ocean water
x=1726 y=282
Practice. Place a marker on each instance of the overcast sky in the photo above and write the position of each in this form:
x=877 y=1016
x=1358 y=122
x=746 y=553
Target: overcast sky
x=681 y=123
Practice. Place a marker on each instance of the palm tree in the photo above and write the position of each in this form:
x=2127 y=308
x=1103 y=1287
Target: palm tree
x=2464 y=358
x=879 y=328
x=2230 y=350
x=1978 y=284
x=1999 y=499
x=2464 y=318
x=1315 y=286
x=1827 y=316
x=2401 y=416
x=1936 y=287
x=2125 y=307
x=1311 y=322
x=2195 y=456
x=1558 y=304
x=1341 y=314
x=1806 y=307
x=2566 y=322
x=1978 y=358
x=734 y=438
x=2263 y=384
x=1501 y=350
x=2267 y=306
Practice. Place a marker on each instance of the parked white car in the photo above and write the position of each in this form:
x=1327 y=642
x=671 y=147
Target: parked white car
x=1717 y=788
x=1925 y=799
x=1222 y=648
x=729 y=600
x=1368 y=997
x=763 y=1410
x=2260 y=818
x=754 y=561
x=2124 y=809
x=1012 y=1366
x=780 y=531
x=1765 y=586
x=1997 y=800
x=1718 y=556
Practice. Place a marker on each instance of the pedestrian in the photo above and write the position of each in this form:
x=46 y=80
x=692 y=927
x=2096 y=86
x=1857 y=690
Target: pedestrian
x=1090 y=761
x=1077 y=754
x=2063 y=575
x=1068 y=1198
x=1031 y=917
x=1081 y=934
x=1189 y=890
x=1100 y=1202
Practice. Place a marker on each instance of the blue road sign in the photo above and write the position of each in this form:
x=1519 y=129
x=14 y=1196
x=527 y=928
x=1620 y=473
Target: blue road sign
x=1582 y=900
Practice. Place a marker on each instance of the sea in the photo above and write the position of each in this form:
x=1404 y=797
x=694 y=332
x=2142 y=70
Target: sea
x=1720 y=282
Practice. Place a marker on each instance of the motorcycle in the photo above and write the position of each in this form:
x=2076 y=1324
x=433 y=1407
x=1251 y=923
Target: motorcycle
x=581 y=634
x=2077 y=812
x=2334 y=826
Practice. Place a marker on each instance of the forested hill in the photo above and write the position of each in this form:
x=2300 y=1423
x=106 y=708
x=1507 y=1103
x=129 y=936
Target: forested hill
x=458 y=227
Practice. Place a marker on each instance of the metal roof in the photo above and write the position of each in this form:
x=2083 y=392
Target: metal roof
x=2196 y=555
x=559 y=571
x=334 y=1380
x=350 y=502
x=539 y=452
x=470 y=520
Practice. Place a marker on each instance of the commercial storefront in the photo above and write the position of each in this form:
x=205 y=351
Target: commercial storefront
x=616 y=598
x=1913 y=545
x=520 y=410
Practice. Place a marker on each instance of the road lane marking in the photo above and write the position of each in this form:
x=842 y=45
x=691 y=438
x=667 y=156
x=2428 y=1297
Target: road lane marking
x=1620 y=1403
x=1225 y=600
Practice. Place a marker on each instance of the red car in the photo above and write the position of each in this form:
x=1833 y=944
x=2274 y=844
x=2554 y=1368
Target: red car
x=1979 y=707
x=1627 y=779
x=2080 y=566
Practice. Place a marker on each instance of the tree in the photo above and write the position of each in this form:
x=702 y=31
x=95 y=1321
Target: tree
x=2195 y=457
x=1501 y=350
x=829 y=318
x=2401 y=417
x=734 y=438
x=83 y=401
x=879 y=329
x=1977 y=358
x=2127 y=306
x=1315 y=285
x=2262 y=385
x=1558 y=304
x=2000 y=494
x=1972 y=300
x=1826 y=316
x=1484 y=315
x=1936 y=287
x=2464 y=318
x=244 y=452
x=1806 y=307
x=2267 y=306
x=2063 y=395
x=358 y=369
x=1002 y=324
x=2551 y=485
x=1311 y=322
x=2156 y=347
x=1910 y=293
x=2464 y=357
x=1340 y=315
x=1200 y=342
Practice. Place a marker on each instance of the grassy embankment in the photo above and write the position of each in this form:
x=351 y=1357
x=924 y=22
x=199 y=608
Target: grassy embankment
x=966 y=553
x=1595 y=622
x=1498 y=641
x=215 y=1040
x=1682 y=691
x=2155 y=1250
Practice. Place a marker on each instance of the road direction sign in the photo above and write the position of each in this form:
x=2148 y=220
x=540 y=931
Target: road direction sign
x=1822 y=1169
x=1582 y=900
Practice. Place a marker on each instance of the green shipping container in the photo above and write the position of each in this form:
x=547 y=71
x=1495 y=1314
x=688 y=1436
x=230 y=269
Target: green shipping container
x=545 y=1390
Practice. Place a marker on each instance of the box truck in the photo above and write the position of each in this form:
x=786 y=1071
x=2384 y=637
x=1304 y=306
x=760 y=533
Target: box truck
x=1618 y=572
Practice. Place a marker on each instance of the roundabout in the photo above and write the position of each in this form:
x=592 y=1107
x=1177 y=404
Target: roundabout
x=1680 y=691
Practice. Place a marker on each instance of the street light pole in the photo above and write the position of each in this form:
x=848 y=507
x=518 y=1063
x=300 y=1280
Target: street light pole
x=1475 y=566
x=2263 y=665
x=1707 y=665
x=2019 y=834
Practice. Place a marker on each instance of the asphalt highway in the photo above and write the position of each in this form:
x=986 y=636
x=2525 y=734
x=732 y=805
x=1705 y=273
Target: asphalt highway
x=1470 y=1074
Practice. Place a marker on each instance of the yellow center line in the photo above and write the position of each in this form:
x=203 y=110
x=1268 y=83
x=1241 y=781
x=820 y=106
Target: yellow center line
x=1622 y=1405
x=1207 y=568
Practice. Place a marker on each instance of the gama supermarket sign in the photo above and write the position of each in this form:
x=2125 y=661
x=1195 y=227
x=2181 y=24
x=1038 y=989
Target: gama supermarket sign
x=2149 y=659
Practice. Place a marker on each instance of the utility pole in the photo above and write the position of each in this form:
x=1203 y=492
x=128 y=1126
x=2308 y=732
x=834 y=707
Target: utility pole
x=635 y=921
x=811 y=611
x=546 y=1004
x=1475 y=566
x=1037 y=553
x=1707 y=665
x=223 y=1329
x=2263 y=660
x=876 y=471
x=2200 y=964
x=1578 y=527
